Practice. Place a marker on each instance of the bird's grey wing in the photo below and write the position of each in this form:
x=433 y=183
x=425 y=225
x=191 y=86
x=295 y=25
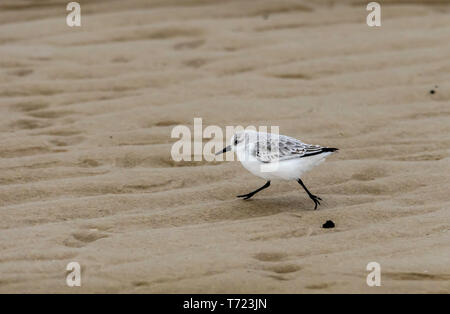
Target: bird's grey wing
x=279 y=148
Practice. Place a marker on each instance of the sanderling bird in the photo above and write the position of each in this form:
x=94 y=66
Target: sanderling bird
x=272 y=156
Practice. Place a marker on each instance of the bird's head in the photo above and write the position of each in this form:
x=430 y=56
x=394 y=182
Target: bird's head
x=237 y=141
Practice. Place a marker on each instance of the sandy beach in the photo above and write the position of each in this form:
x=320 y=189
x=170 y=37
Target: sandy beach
x=86 y=173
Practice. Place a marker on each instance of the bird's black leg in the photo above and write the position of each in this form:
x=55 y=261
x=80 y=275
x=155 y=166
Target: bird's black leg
x=315 y=199
x=247 y=196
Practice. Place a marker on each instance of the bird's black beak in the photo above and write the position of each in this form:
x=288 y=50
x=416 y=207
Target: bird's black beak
x=226 y=149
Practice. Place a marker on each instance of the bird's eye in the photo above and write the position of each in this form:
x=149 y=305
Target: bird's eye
x=235 y=141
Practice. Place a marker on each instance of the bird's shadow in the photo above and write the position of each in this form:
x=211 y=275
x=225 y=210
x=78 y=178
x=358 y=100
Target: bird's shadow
x=271 y=206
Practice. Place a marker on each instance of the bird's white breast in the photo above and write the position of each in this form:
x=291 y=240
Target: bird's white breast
x=291 y=169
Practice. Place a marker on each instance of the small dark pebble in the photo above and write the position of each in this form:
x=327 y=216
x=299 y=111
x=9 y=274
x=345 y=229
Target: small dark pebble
x=432 y=91
x=328 y=224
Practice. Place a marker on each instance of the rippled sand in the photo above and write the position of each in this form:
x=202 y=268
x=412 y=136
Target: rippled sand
x=86 y=174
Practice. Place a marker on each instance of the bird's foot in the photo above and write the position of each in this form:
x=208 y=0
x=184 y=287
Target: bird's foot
x=316 y=200
x=245 y=196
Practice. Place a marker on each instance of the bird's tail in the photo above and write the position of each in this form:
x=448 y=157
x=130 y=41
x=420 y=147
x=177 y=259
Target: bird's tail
x=329 y=149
